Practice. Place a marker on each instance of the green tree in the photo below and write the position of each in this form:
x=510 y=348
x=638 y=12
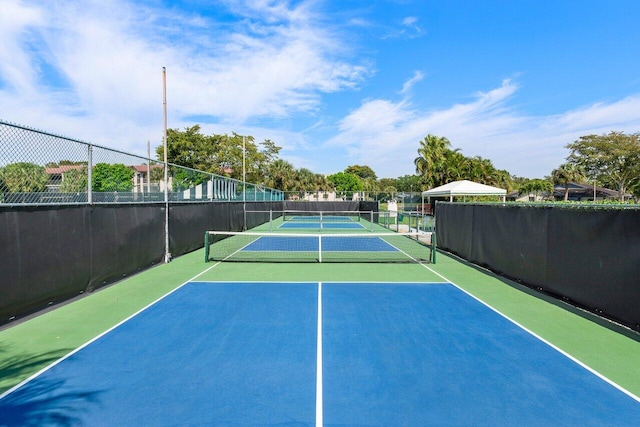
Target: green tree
x=23 y=177
x=408 y=183
x=566 y=174
x=345 y=184
x=431 y=158
x=112 y=177
x=65 y=163
x=322 y=183
x=304 y=180
x=503 y=179
x=182 y=178
x=536 y=186
x=188 y=148
x=281 y=175
x=371 y=187
x=438 y=164
x=74 y=181
x=388 y=188
x=220 y=154
x=613 y=159
x=362 y=172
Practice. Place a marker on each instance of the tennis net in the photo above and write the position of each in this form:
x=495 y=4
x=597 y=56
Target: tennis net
x=349 y=221
x=327 y=216
x=290 y=247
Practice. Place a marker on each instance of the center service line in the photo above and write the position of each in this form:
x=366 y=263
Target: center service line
x=319 y=360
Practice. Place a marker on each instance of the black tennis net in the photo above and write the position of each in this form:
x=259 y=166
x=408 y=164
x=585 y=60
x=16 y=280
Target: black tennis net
x=291 y=247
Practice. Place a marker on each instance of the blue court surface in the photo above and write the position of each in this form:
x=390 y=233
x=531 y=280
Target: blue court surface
x=311 y=244
x=317 y=225
x=319 y=354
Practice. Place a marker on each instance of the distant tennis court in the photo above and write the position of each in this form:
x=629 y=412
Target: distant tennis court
x=305 y=353
x=321 y=225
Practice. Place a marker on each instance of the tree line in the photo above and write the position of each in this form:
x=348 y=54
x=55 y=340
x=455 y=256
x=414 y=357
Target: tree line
x=26 y=177
x=612 y=160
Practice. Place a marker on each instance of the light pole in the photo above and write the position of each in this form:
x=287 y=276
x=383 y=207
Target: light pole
x=244 y=183
x=167 y=253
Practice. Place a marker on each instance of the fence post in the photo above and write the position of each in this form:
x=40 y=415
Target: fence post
x=90 y=174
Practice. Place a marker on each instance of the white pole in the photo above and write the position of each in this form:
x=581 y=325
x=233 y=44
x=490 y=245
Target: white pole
x=148 y=166
x=167 y=254
x=90 y=174
x=244 y=184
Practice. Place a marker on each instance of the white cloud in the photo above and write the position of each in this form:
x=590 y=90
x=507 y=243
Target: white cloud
x=417 y=77
x=409 y=29
x=385 y=135
x=409 y=21
x=16 y=20
x=92 y=70
x=273 y=61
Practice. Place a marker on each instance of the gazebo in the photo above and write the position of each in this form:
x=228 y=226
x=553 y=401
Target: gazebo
x=464 y=188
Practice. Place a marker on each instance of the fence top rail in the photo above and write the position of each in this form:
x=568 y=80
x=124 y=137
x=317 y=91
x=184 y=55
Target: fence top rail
x=556 y=205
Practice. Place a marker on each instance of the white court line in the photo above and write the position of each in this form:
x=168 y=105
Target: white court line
x=46 y=368
x=319 y=414
x=553 y=346
x=344 y=282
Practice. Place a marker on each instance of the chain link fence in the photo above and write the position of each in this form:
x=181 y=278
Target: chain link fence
x=45 y=169
x=406 y=201
x=332 y=196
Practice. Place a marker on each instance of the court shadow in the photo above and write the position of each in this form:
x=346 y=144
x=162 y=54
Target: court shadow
x=39 y=402
x=19 y=366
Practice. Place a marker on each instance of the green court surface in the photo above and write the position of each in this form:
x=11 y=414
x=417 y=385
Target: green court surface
x=31 y=344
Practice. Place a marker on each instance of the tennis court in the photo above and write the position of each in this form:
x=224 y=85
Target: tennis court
x=316 y=343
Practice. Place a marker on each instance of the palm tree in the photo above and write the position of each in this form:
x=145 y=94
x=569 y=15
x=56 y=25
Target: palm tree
x=431 y=156
x=370 y=185
x=503 y=179
x=305 y=180
x=281 y=175
x=565 y=174
x=536 y=186
x=452 y=167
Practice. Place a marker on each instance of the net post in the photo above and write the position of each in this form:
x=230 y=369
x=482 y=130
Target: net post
x=371 y=219
x=433 y=247
x=270 y=219
x=320 y=246
x=206 y=246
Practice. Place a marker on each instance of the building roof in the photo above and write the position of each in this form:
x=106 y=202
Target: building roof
x=143 y=168
x=586 y=189
x=63 y=169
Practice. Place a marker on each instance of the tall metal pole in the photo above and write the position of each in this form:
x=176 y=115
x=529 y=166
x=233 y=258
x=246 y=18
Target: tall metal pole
x=244 y=184
x=90 y=174
x=167 y=253
x=148 y=167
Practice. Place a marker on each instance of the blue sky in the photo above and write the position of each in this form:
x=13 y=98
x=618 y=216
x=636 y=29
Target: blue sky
x=335 y=83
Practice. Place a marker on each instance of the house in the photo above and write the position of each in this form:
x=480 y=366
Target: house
x=577 y=193
x=586 y=192
x=56 y=175
x=142 y=182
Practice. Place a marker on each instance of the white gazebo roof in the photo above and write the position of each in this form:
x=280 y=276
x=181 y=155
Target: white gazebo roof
x=464 y=188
